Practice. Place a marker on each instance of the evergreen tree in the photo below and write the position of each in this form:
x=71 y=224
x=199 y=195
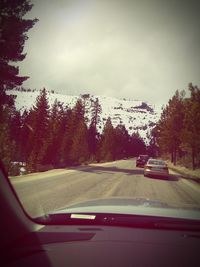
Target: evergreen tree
x=66 y=135
x=137 y=145
x=93 y=136
x=121 y=142
x=54 y=137
x=25 y=134
x=7 y=144
x=170 y=124
x=190 y=135
x=15 y=124
x=13 y=28
x=153 y=149
x=39 y=133
x=12 y=38
x=95 y=112
x=107 y=151
x=79 y=151
x=78 y=113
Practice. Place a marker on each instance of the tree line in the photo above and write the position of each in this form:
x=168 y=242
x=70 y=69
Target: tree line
x=178 y=131
x=51 y=137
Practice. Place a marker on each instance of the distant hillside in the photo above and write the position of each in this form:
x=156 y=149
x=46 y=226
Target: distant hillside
x=136 y=115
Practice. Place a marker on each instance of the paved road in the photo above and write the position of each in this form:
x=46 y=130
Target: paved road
x=56 y=189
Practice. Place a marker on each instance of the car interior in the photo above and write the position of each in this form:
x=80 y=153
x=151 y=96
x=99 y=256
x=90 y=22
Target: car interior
x=25 y=242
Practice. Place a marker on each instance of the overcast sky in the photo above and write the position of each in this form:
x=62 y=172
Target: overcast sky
x=141 y=50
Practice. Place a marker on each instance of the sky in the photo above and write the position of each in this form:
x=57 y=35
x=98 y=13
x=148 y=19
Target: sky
x=141 y=50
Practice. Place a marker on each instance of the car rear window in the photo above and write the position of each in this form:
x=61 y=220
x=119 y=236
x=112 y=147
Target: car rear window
x=156 y=162
x=143 y=157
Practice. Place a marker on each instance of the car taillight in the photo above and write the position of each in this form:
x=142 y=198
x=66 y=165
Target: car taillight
x=148 y=167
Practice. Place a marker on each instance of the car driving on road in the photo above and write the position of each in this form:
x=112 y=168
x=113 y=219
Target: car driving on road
x=156 y=167
x=141 y=160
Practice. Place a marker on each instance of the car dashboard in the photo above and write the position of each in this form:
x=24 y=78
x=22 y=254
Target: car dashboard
x=105 y=246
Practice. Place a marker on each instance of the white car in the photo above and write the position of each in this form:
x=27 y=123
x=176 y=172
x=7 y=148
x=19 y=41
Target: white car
x=156 y=167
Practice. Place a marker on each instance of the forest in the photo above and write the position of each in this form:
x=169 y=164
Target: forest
x=45 y=137
x=177 y=133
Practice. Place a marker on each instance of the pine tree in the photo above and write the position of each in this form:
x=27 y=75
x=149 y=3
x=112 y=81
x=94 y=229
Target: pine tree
x=15 y=124
x=121 y=142
x=95 y=112
x=137 y=145
x=93 y=135
x=107 y=145
x=170 y=124
x=53 y=138
x=79 y=151
x=66 y=133
x=190 y=135
x=7 y=144
x=12 y=38
x=26 y=132
x=39 y=133
x=153 y=148
x=93 y=138
x=13 y=28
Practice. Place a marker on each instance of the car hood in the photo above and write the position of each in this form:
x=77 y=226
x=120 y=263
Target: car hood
x=135 y=206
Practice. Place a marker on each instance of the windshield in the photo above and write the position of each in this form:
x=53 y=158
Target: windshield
x=88 y=88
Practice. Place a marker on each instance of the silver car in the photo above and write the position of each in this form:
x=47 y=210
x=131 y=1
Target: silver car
x=156 y=167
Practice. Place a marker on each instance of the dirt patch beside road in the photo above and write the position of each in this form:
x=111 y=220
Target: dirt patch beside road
x=185 y=172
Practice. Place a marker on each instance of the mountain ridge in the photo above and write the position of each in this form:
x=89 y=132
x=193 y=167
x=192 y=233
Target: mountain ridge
x=136 y=115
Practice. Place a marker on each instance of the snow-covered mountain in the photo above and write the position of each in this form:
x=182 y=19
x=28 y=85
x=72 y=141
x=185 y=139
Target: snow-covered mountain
x=136 y=115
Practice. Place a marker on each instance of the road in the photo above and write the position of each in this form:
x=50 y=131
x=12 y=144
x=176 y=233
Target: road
x=45 y=192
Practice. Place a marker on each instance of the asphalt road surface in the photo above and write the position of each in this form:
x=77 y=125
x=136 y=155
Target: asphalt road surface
x=44 y=192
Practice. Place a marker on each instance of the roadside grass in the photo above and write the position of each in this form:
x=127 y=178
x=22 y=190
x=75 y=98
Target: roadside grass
x=186 y=172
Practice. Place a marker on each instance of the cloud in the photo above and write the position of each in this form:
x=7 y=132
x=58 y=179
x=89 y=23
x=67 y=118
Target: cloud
x=133 y=49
